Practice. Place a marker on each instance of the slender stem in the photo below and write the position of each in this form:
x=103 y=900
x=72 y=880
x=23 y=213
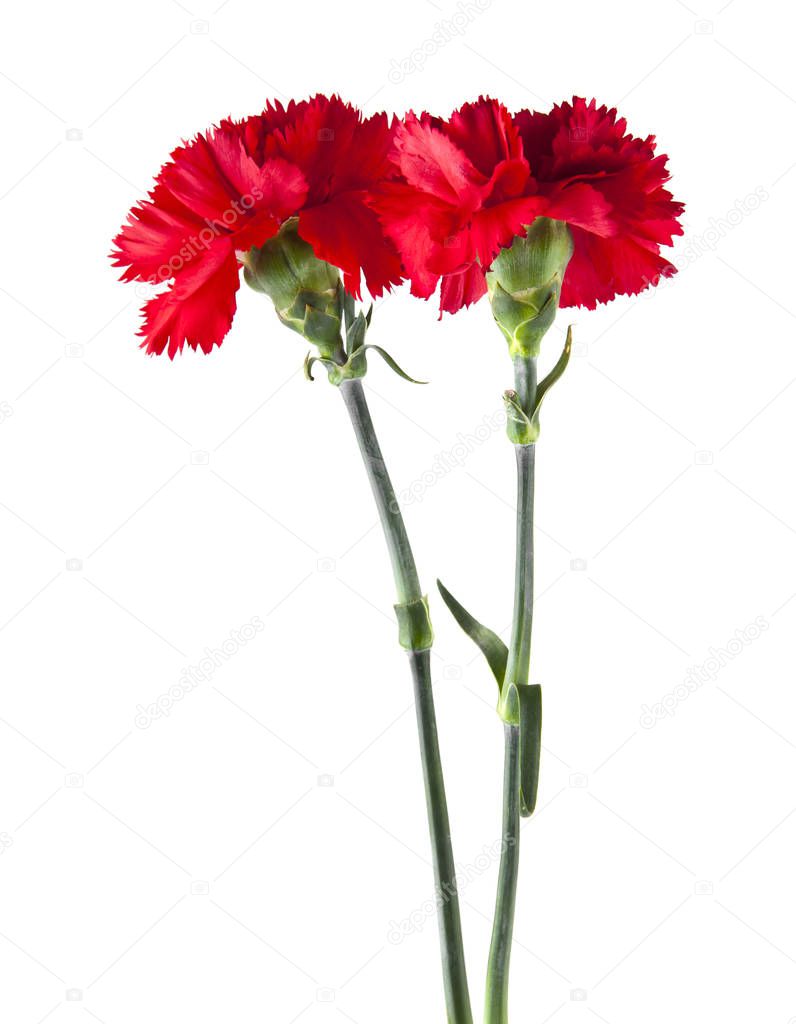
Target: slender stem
x=407 y=584
x=454 y=972
x=517 y=674
x=525 y=381
x=518 y=666
x=497 y=981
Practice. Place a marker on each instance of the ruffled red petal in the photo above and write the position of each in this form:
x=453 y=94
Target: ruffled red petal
x=462 y=289
x=609 y=186
x=197 y=309
x=602 y=268
x=486 y=133
x=233 y=197
x=155 y=232
x=495 y=227
x=469 y=185
x=344 y=231
x=233 y=187
x=421 y=226
x=463 y=193
x=434 y=164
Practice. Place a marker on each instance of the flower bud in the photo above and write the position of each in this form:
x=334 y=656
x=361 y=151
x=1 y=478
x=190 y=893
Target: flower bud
x=524 y=284
x=306 y=291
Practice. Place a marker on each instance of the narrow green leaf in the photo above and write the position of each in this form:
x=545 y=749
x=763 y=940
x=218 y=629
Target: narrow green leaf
x=355 y=336
x=552 y=377
x=388 y=359
x=519 y=428
x=490 y=644
x=530 y=745
x=349 y=308
x=309 y=359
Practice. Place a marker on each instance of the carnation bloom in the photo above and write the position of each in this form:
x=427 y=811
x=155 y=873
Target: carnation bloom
x=232 y=188
x=617 y=253
x=461 y=195
x=470 y=184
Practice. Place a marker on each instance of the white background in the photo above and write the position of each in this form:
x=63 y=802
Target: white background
x=657 y=879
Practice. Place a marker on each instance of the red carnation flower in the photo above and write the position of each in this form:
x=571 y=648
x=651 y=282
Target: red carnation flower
x=463 y=193
x=232 y=188
x=617 y=249
x=470 y=184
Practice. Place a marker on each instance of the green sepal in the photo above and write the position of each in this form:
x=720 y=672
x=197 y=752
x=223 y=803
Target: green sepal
x=487 y=641
x=388 y=359
x=414 y=625
x=530 y=701
x=322 y=330
x=529 y=324
x=524 y=284
x=355 y=333
x=309 y=360
x=332 y=368
x=351 y=363
x=349 y=308
x=307 y=293
x=355 y=367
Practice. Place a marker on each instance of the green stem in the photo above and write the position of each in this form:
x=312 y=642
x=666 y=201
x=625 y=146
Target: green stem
x=497 y=979
x=454 y=972
x=517 y=673
x=407 y=584
x=518 y=667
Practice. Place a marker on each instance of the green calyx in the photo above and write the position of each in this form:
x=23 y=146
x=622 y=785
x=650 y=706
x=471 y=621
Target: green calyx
x=310 y=299
x=307 y=292
x=524 y=284
x=351 y=362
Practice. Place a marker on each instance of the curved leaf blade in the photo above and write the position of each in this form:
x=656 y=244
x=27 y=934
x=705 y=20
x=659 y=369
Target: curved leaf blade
x=489 y=643
x=530 y=745
x=388 y=359
x=552 y=377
